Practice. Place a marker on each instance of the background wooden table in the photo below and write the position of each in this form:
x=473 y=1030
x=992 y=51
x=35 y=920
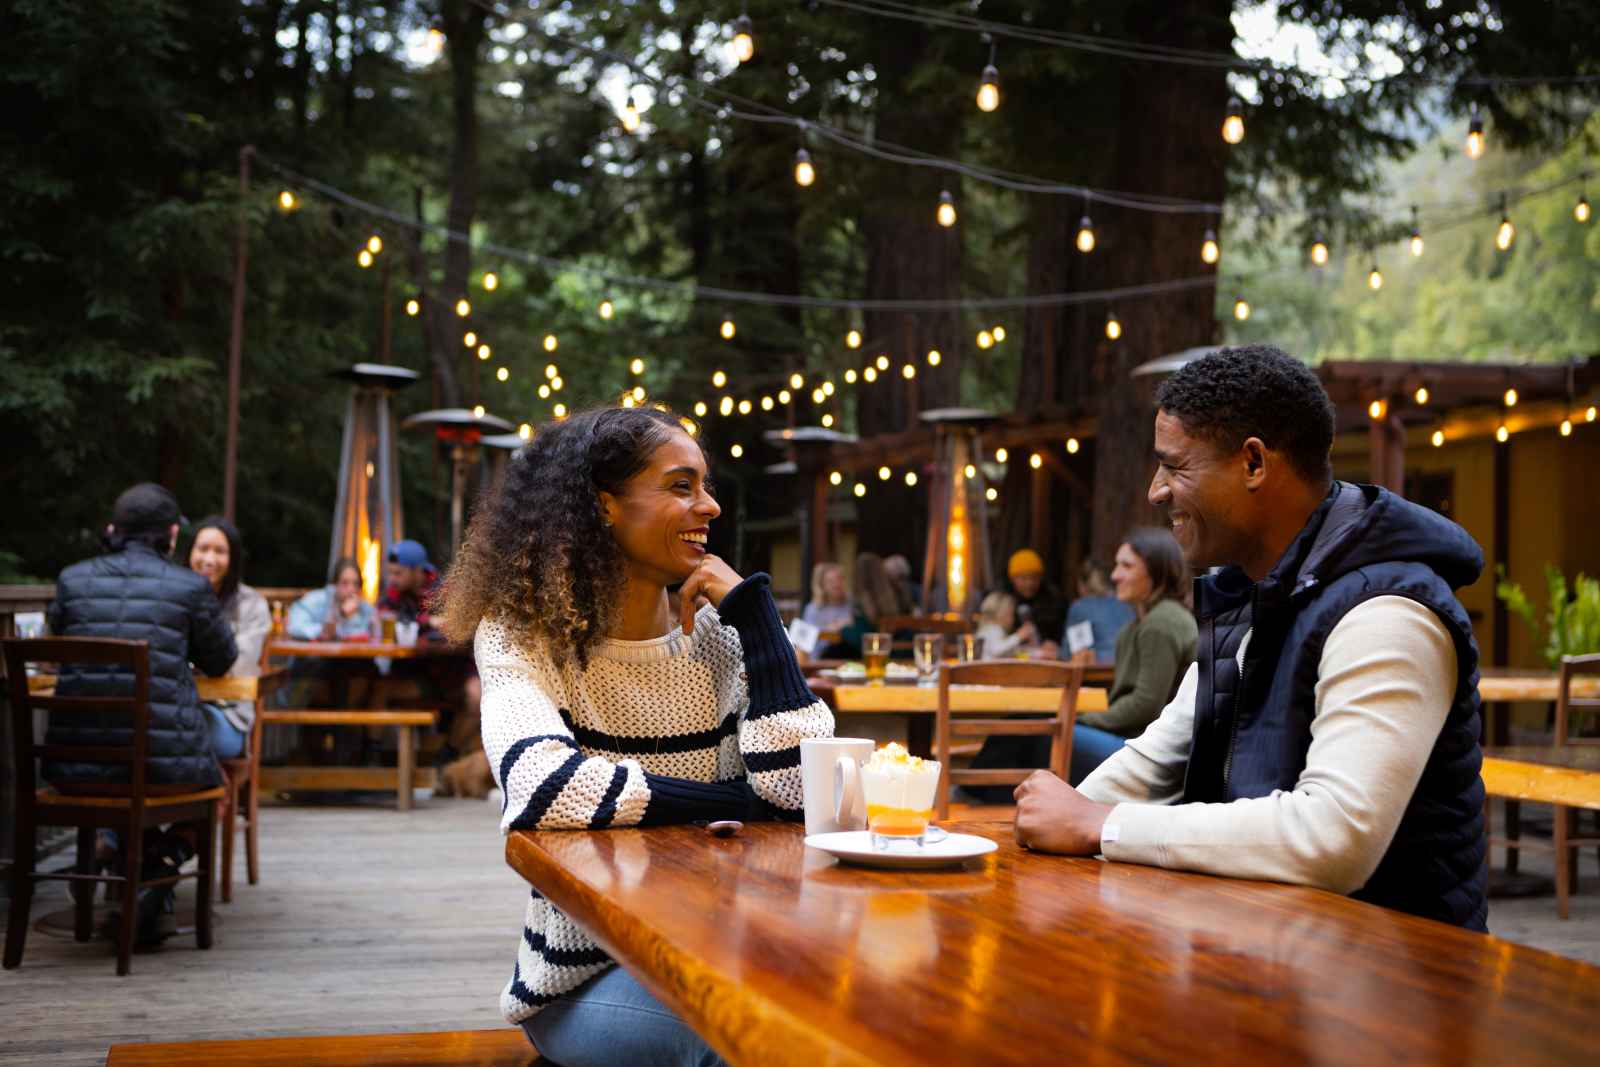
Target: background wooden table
x=778 y=957
x=362 y=649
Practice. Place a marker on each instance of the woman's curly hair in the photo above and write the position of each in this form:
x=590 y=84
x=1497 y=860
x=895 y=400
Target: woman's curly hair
x=537 y=555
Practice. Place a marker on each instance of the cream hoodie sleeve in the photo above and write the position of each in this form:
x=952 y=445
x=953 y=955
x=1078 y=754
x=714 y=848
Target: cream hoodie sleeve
x=1384 y=686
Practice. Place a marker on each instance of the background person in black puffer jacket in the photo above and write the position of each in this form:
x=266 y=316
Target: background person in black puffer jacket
x=135 y=593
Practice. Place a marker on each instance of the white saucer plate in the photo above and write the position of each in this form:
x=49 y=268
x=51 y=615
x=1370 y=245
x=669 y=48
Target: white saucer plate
x=855 y=846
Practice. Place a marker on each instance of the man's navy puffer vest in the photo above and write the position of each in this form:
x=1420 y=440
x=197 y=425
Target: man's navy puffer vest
x=1252 y=729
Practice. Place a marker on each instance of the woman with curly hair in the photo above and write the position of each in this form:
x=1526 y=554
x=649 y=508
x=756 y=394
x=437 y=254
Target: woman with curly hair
x=601 y=709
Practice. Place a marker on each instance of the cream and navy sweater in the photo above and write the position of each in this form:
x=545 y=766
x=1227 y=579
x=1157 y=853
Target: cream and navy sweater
x=672 y=730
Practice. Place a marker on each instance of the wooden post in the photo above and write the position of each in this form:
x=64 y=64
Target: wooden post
x=1386 y=453
x=1039 y=510
x=230 y=454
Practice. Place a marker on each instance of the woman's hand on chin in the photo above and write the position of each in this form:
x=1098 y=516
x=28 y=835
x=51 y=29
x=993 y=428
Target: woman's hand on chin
x=708 y=583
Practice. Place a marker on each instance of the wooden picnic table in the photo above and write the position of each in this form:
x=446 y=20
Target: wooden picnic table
x=1545 y=774
x=778 y=957
x=279 y=646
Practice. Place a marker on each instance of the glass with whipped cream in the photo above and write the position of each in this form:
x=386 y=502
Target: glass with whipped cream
x=898 y=789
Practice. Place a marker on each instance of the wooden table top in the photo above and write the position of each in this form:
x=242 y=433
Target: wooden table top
x=779 y=957
x=912 y=699
x=1571 y=757
x=362 y=649
x=1500 y=684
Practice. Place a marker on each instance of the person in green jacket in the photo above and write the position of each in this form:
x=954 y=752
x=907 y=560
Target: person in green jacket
x=1153 y=652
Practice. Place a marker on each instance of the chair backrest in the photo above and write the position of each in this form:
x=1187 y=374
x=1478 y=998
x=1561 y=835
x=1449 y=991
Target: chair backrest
x=924 y=624
x=1574 y=667
x=132 y=656
x=1015 y=672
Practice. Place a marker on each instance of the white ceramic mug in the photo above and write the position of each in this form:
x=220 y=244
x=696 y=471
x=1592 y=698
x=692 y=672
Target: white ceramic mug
x=826 y=782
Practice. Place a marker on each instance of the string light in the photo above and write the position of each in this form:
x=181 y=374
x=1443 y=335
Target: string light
x=699 y=409
x=544 y=392
x=607 y=309
x=1319 y=250
x=689 y=427
x=1377 y=409
x=484 y=351
x=728 y=329
x=1588 y=416
x=999 y=333
x=1001 y=455
x=970 y=471
x=477 y=411
x=852 y=339
x=828 y=388
x=737 y=450
x=503 y=374
x=884 y=474
x=744 y=39
x=469 y=339
x=364 y=258
x=627 y=400
x=909 y=371
x=859 y=490
x=766 y=403
x=804 y=173
x=725 y=406
x=818 y=396
x=719 y=379
x=525 y=431
x=637 y=366
x=827 y=421
x=1375 y=276
x=1035 y=461
x=911 y=478
x=1085 y=234
x=934 y=357
x=1506 y=232
x=287 y=201
x=630 y=115
x=374 y=244
x=991 y=494
x=1233 y=122
x=1072 y=446
x=1566 y=427
x=1422 y=395
x=1241 y=309
x=1416 y=233
x=638 y=393
x=560 y=411
x=989 y=84
x=836 y=478
x=796 y=380
x=946 y=213
x=744 y=407
x=491 y=281
x=784 y=396
x=1510 y=398
x=882 y=361
x=550 y=370
x=1209 y=252
x=1580 y=210
x=556 y=383
x=1438 y=439
x=1502 y=434
x=985 y=339
x=1475 y=134
x=463 y=308
x=850 y=376
x=1113 y=326
x=870 y=374
x=413 y=307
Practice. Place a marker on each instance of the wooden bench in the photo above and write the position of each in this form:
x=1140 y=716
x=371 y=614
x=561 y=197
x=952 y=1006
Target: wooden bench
x=405 y=777
x=462 y=1048
x=1567 y=776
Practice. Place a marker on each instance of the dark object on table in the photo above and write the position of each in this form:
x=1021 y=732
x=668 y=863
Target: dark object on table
x=724 y=827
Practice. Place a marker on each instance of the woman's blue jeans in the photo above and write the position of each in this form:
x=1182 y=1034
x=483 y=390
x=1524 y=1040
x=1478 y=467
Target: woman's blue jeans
x=1091 y=746
x=611 y=1020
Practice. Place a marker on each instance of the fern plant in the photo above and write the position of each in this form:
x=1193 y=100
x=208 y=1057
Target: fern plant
x=1573 y=620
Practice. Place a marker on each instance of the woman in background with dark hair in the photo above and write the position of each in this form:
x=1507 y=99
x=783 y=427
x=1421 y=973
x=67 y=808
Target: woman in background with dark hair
x=1153 y=651
x=217 y=554
x=602 y=707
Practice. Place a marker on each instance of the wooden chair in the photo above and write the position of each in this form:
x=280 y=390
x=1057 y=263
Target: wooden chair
x=1057 y=725
x=242 y=776
x=924 y=624
x=129 y=809
x=505 y=1047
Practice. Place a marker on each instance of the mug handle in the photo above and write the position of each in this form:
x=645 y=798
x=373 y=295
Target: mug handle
x=847 y=804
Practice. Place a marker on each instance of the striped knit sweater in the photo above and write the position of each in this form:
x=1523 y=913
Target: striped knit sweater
x=670 y=730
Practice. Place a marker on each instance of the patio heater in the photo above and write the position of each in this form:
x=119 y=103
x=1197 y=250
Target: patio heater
x=956 y=569
x=462 y=430
x=812 y=448
x=367 y=514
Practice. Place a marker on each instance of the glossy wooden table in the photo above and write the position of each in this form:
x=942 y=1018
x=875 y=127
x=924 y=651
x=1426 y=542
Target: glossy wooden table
x=778 y=958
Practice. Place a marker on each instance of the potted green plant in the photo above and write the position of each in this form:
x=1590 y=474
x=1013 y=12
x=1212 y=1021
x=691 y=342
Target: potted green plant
x=1572 y=621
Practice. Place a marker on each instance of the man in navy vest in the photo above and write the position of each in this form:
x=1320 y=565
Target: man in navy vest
x=1328 y=733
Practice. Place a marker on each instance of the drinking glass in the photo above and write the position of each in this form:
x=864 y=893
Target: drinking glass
x=900 y=804
x=927 y=650
x=875 y=656
x=966 y=648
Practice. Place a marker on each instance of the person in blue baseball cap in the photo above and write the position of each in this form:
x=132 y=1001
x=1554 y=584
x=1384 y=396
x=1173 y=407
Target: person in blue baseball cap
x=411 y=580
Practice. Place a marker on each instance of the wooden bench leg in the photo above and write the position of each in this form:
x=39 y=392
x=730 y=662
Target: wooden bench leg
x=407 y=759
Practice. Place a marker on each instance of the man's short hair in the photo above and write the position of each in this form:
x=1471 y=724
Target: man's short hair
x=1255 y=391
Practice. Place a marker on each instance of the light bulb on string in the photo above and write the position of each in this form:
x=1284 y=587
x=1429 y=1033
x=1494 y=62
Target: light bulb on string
x=374 y=244
x=725 y=406
x=852 y=339
x=934 y=357
x=828 y=388
x=1209 y=251
x=989 y=84
x=1589 y=413
x=630 y=115
x=1233 y=122
x=627 y=400
x=766 y=403
x=1073 y=446
x=991 y=494
x=484 y=351
x=946 y=212
x=1505 y=233
x=1510 y=398
x=804 y=173
x=1035 y=461
x=503 y=374
x=463 y=308
x=638 y=393
x=850 y=376
x=559 y=411
x=911 y=478
x=999 y=333
x=737 y=450
x=796 y=380
x=1377 y=409
x=1319 y=250
x=689 y=426
x=835 y=478
x=469 y=339
x=727 y=329
x=1416 y=233
x=637 y=366
x=1580 y=210
x=1085 y=239
x=699 y=409
x=1502 y=434
x=1113 y=326
x=287 y=201
x=491 y=281
x=413 y=307
x=719 y=379
x=1475 y=134
x=985 y=339
x=969 y=472
x=544 y=392
x=818 y=396
x=1375 y=276
x=364 y=258
x=551 y=343
x=908 y=371
x=827 y=421
x=1241 y=309
x=477 y=411
x=744 y=39
x=1001 y=455
x=525 y=431
x=556 y=383
x=882 y=361
x=884 y=474
x=607 y=309
x=784 y=396
x=1422 y=396
x=745 y=407
x=859 y=490
x=1566 y=427
x=550 y=370
x=870 y=374
x=1438 y=439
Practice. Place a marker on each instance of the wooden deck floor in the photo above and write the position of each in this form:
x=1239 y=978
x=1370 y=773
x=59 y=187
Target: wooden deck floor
x=369 y=921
